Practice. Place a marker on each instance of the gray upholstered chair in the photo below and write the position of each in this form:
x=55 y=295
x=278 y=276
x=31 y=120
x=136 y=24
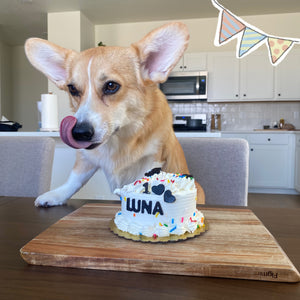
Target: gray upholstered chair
x=25 y=165
x=221 y=167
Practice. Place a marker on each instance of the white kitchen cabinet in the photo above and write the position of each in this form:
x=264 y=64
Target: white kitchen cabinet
x=223 y=76
x=256 y=77
x=191 y=62
x=287 y=79
x=271 y=161
x=248 y=79
x=297 y=163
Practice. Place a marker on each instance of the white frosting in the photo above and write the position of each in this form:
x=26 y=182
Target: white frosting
x=150 y=214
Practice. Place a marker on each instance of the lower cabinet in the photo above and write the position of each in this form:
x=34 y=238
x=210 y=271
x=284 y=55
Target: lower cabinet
x=271 y=160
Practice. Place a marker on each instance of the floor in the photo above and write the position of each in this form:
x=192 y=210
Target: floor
x=273 y=200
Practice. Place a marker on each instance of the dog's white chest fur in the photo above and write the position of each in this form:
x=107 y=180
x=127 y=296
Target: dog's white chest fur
x=122 y=165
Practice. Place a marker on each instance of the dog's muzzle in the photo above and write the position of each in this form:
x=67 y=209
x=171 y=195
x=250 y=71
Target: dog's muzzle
x=77 y=135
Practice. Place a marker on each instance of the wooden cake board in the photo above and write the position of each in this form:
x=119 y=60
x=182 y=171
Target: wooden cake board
x=237 y=245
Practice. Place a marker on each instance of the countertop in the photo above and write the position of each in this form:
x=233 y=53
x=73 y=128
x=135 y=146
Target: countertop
x=55 y=134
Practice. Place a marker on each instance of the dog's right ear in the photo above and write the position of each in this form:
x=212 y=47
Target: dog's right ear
x=160 y=50
x=49 y=58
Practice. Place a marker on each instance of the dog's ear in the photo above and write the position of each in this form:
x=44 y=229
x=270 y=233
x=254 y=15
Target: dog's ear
x=49 y=58
x=160 y=50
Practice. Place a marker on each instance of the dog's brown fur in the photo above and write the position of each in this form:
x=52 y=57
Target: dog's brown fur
x=134 y=125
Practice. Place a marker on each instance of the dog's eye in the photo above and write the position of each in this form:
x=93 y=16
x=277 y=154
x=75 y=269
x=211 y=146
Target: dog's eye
x=110 y=87
x=73 y=91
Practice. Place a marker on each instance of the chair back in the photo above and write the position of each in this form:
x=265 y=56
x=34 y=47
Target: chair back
x=25 y=165
x=221 y=167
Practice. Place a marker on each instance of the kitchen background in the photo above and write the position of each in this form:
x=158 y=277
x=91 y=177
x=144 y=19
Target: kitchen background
x=21 y=85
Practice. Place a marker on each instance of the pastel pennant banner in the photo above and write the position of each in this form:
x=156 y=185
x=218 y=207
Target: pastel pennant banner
x=249 y=37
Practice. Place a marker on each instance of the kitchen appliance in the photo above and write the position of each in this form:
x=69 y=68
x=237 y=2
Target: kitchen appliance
x=186 y=86
x=189 y=122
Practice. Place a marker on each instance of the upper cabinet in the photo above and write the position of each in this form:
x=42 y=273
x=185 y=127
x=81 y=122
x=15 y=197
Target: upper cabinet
x=223 y=76
x=287 y=77
x=191 y=62
x=252 y=78
x=256 y=77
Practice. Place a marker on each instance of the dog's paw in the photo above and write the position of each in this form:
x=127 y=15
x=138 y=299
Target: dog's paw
x=49 y=199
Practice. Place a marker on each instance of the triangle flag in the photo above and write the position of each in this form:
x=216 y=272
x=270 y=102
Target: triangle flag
x=250 y=41
x=229 y=27
x=278 y=48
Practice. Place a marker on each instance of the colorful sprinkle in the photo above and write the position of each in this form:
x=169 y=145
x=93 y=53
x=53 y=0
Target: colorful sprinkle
x=192 y=220
x=125 y=199
x=171 y=230
x=119 y=213
x=166 y=225
x=194 y=214
x=157 y=214
x=202 y=220
x=155 y=236
x=134 y=214
x=160 y=224
x=172 y=221
x=182 y=219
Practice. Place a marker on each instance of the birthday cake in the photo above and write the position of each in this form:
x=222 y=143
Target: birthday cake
x=160 y=207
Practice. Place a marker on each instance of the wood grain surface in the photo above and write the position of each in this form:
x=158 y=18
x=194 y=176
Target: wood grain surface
x=237 y=245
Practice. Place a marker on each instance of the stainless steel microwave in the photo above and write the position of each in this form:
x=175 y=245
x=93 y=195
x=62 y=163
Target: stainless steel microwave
x=181 y=86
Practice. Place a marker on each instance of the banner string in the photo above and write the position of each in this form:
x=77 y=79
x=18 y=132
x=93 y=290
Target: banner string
x=249 y=37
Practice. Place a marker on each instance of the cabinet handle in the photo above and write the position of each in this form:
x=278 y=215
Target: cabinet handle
x=269 y=139
x=251 y=149
x=236 y=95
x=181 y=67
x=244 y=95
x=184 y=67
x=279 y=95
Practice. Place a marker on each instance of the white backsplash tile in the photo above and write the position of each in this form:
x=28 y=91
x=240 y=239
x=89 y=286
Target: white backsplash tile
x=244 y=116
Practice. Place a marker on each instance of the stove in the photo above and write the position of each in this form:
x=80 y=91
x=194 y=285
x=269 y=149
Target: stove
x=189 y=122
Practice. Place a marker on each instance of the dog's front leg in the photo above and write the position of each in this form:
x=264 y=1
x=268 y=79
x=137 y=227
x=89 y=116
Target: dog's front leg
x=81 y=173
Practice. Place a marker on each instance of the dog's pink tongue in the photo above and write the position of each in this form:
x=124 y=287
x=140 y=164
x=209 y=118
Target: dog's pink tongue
x=66 y=127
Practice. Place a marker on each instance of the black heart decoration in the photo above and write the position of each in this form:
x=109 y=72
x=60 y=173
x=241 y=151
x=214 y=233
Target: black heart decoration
x=153 y=172
x=168 y=197
x=158 y=189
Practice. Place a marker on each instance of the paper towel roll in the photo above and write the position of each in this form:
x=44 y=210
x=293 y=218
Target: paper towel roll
x=49 y=113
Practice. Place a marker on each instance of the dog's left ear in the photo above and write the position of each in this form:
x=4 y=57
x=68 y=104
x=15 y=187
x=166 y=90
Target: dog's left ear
x=160 y=50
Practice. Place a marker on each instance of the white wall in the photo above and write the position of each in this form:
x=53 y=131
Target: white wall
x=202 y=31
x=5 y=81
x=27 y=85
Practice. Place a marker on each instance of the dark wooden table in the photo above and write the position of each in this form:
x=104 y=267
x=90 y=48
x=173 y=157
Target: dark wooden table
x=20 y=221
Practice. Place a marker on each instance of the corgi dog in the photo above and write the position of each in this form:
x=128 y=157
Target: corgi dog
x=122 y=122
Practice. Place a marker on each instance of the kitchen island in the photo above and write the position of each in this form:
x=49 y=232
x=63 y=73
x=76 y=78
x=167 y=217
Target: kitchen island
x=273 y=168
x=64 y=159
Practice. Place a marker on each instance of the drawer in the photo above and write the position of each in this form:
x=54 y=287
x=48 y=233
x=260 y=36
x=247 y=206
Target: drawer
x=298 y=140
x=269 y=139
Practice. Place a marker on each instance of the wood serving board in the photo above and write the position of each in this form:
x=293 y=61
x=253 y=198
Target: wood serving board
x=236 y=245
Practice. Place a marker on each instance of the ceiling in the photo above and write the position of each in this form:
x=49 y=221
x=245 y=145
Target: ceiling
x=20 y=19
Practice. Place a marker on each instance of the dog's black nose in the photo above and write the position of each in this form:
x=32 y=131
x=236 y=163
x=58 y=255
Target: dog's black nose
x=83 y=131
